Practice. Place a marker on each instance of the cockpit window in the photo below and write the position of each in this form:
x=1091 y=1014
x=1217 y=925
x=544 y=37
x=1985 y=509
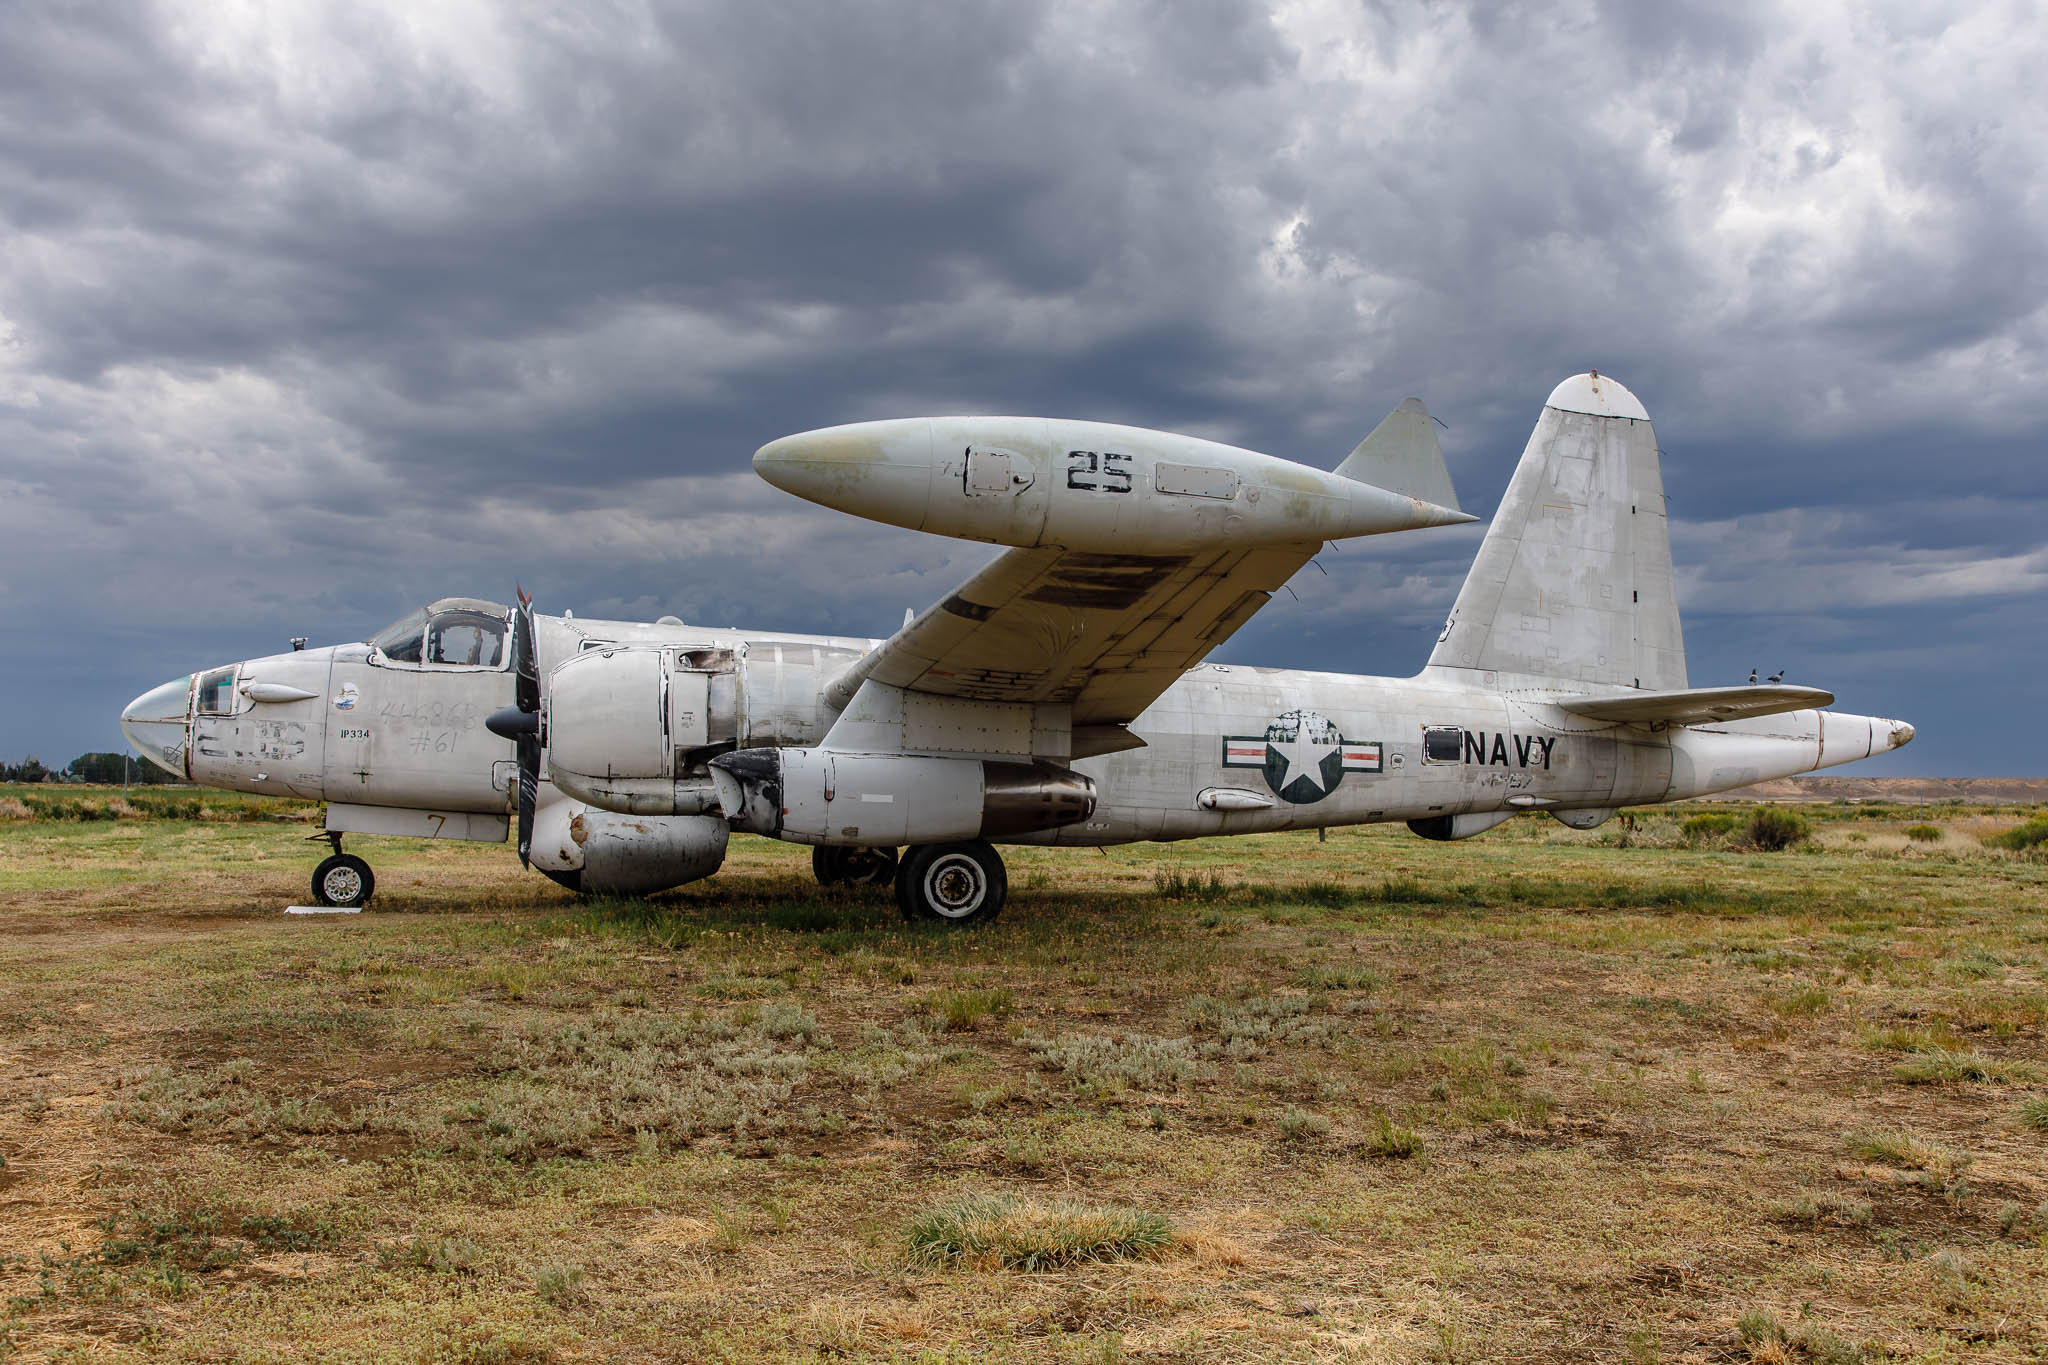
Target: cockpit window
x=465 y=637
x=217 y=692
x=400 y=641
x=466 y=632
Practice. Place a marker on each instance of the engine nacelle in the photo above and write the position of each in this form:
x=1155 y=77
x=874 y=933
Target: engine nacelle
x=605 y=853
x=817 y=796
x=629 y=728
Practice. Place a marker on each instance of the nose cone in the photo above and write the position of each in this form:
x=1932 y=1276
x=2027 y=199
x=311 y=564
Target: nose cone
x=155 y=724
x=1902 y=733
x=878 y=470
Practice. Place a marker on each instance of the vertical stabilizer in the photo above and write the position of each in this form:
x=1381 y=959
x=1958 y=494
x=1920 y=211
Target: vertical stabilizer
x=1573 y=582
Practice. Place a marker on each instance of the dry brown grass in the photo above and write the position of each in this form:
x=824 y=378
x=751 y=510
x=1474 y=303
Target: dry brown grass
x=1542 y=1095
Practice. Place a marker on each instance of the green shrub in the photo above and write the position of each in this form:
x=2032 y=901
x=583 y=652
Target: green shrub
x=1389 y=1141
x=450 y=1255
x=2030 y=835
x=1174 y=884
x=1100 y=1062
x=1757 y=1328
x=1924 y=834
x=558 y=1285
x=1941 y=1066
x=1812 y=1209
x=963 y=1011
x=1326 y=976
x=1711 y=825
x=1298 y=1125
x=1016 y=1234
x=1771 y=830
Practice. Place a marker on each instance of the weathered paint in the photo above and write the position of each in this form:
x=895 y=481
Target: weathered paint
x=1558 y=684
x=1083 y=486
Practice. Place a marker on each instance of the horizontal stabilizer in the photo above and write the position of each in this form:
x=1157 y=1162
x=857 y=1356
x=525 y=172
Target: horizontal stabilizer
x=1698 y=705
x=1402 y=455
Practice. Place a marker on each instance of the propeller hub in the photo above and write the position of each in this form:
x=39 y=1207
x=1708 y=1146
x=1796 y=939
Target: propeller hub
x=510 y=722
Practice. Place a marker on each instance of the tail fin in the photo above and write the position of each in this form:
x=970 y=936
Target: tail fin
x=1573 y=582
x=1402 y=454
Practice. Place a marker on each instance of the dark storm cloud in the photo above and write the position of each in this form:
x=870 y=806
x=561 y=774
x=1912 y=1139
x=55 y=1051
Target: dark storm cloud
x=307 y=313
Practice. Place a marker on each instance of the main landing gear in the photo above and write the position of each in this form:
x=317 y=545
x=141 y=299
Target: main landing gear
x=961 y=883
x=342 y=879
x=853 y=866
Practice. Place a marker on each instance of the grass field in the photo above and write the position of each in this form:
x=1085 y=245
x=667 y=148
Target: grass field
x=1630 y=1095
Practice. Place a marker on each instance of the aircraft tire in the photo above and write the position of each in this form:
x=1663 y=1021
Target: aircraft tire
x=836 y=866
x=962 y=883
x=343 y=879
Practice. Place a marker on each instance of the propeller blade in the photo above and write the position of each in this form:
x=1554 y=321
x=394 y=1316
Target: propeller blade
x=525 y=662
x=520 y=722
x=529 y=792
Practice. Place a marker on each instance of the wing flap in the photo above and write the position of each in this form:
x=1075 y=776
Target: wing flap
x=1699 y=705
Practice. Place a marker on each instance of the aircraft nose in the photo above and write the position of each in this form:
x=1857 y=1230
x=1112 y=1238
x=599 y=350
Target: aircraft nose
x=1902 y=734
x=154 y=724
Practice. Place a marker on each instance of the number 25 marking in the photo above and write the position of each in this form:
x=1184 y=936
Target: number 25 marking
x=1107 y=472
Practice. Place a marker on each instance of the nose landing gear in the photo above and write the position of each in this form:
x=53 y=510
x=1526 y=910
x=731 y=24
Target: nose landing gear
x=342 y=879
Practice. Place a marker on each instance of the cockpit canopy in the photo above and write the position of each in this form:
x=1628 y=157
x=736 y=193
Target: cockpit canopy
x=461 y=631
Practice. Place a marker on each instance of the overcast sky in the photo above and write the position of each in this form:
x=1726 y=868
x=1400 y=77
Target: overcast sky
x=311 y=312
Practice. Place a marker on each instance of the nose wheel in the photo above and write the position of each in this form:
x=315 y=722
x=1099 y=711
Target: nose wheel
x=853 y=866
x=343 y=879
x=961 y=883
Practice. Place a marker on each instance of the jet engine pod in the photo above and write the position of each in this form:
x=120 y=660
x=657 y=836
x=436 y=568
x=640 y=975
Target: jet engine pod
x=1445 y=828
x=1022 y=798
x=817 y=796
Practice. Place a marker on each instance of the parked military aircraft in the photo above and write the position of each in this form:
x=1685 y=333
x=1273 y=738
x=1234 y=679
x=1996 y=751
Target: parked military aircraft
x=1058 y=697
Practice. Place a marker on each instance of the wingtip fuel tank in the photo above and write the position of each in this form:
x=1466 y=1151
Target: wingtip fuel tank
x=1030 y=481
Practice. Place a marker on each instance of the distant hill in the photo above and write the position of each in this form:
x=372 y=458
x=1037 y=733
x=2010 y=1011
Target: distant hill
x=1906 y=790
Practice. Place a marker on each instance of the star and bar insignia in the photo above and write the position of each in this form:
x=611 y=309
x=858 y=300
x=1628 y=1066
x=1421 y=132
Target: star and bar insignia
x=1303 y=756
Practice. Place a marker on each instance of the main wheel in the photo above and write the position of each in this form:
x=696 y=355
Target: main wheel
x=343 y=879
x=836 y=866
x=960 y=883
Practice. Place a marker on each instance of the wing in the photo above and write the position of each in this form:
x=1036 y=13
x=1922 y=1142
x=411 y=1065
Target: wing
x=1698 y=705
x=1106 y=633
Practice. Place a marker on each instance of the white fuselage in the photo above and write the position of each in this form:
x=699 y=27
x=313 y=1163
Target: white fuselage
x=379 y=733
x=1416 y=748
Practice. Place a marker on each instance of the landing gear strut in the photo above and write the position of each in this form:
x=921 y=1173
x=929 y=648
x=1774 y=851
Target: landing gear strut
x=342 y=879
x=961 y=883
x=853 y=866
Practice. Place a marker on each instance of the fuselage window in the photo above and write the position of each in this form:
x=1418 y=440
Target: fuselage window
x=1443 y=744
x=217 y=693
